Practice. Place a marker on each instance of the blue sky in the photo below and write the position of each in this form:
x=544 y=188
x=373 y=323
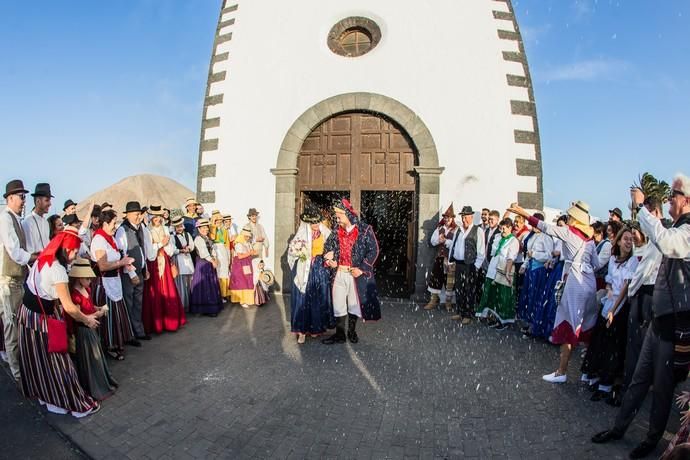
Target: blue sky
x=123 y=82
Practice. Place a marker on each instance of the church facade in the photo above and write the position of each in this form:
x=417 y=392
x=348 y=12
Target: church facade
x=400 y=106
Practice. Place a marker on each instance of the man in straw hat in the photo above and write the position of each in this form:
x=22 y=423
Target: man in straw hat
x=14 y=258
x=352 y=251
x=442 y=272
x=664 y=358
x=36 y=226
x=131 y=240
x=467 y=251
x=261 y=243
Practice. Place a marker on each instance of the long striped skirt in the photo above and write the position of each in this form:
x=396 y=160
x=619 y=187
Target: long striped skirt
x=49 y=377
x=116 y=328
x=184 y=289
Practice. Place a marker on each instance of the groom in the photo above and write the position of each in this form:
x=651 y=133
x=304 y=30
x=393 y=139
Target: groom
x=352 y=251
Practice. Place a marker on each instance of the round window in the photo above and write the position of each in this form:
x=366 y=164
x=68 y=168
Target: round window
x=354 y=36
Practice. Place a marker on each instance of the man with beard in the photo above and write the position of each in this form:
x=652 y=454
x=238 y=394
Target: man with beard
x=352 y=251
x=36 y=227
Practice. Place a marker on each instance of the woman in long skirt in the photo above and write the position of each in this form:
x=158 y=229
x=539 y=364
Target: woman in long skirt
x=242 y=276
x=116 y=328
x=184 y=246
x=219 y=236
x=310 y=300
x=162 y=309
x=49 y=375
x=533 y=294
x=205 y=298
x=604 y=361
x=92 y=367
x=498 y=296
x=576 y=314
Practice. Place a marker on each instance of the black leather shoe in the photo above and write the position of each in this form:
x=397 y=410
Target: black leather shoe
x=615 y=398
x=643 y=449
x=144 y=337
x=134 y=343
x=352 y=337
x=606 y=436
x=335 y=338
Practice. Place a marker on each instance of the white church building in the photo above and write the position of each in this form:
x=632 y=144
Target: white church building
x=402 y=106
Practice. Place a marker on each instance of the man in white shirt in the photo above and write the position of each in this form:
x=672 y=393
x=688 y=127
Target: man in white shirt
x=35 y=226
x=467 y=251
x=14 y=259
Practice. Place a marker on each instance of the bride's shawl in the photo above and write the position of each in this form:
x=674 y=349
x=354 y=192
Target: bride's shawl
x=299 y=253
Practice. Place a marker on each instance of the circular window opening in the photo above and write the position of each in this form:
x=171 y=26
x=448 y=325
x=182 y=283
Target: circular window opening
x=354 y=36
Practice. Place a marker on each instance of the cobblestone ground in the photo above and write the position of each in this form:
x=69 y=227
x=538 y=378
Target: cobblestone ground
x=418 y=385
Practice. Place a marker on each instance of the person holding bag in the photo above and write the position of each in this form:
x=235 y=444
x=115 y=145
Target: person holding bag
x=46 y=368
x=498 y=298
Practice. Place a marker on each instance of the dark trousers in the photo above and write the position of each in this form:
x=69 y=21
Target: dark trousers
x=465 y=289
x=654 y=367
x=639 y=319
x=134 y=297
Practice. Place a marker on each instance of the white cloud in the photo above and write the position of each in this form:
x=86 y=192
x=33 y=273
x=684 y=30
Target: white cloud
x=587 y=70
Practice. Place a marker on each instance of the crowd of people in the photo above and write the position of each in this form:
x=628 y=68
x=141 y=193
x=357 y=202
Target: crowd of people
x=76 y=292
x=620 y=288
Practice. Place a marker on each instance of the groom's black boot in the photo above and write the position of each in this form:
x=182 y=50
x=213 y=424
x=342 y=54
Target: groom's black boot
x=339 y=336
x=351 y=325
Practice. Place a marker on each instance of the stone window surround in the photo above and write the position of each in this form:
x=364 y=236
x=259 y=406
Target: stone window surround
x=352 y=22
x=428 y=172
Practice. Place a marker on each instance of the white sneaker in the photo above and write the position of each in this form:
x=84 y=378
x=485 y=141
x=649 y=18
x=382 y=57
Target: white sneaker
x=554 y=378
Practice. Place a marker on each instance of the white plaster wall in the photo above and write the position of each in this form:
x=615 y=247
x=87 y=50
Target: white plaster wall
x=443 y=59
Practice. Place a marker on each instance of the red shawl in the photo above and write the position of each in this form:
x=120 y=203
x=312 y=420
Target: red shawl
x=108 y=238
x=68 y=239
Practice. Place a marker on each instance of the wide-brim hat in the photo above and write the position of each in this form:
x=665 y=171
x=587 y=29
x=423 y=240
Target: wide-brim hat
x=466 y=211
x=227 y=217
x=42 y=189
x=252 y=212
x=247 y=229
x=68 y=203
x=81 y=268
x=13 y=187
x=133 y=206
x=202 y=223
x=267 y=277
x=190 y=201
x=177 y=220
x=311 y=215
x=156 y=210
x=580 y=212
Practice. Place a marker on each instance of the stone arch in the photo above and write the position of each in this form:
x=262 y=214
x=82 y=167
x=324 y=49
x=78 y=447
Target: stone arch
x=428 y=170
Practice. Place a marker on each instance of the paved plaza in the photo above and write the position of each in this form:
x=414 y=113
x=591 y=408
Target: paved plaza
x=418 y=385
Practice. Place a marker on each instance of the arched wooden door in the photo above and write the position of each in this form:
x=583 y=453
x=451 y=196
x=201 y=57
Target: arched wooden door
x=369 y=160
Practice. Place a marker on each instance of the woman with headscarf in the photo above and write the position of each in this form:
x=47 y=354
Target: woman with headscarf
x=577 y=312
x=498 y=296
x=539 y=249
x=219 y=236
x=49 y=375
x=205 y=298
x=116 y=328
x=242 y=276
x=310 y=301
x=162 y=308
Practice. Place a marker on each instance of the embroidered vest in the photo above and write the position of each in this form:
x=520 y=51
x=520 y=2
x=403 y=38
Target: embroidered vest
x=9 y=266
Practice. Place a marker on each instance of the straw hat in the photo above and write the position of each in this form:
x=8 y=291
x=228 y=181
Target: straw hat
x=81 y=268
x=156 y=210
x=177 y=220
x=191 y=201
x=202 y=223
x=267 y=277
x=580 y=212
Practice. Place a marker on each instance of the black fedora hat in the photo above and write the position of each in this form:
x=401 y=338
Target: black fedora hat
x=467 y=211
x=71 y=219
x=133 y=206
x=252 y=212
x=616 y=212
x=13 y=187
x=42 y=189
x=68 y=203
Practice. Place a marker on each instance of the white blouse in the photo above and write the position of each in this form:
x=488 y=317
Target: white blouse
x=112 y=285
x=201 y=249
x=509 y=251
x=617 y=275
x=647 y=269
x=541 y=247
x=42 y=283
x=184 y=260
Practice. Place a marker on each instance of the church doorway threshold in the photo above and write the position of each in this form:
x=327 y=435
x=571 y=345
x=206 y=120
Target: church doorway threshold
x=392 y=216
